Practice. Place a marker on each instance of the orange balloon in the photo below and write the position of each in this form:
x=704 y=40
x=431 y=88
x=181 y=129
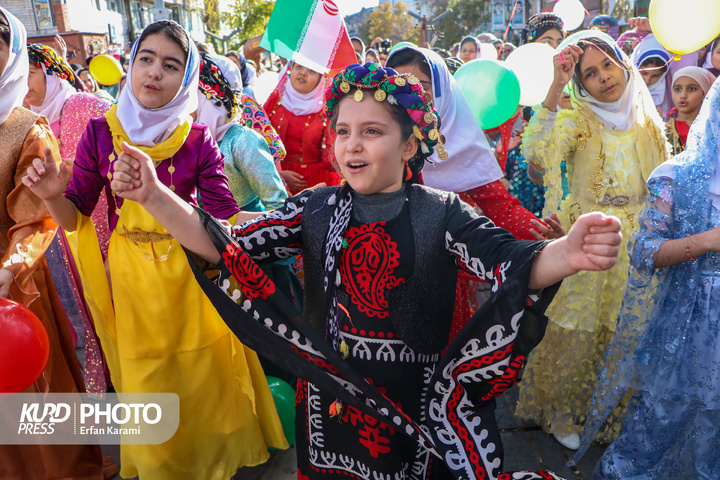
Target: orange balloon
x=24 y=347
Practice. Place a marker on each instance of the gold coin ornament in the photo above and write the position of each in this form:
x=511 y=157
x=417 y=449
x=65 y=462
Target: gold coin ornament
x=358 y=96
x=442 y=139
x=345 y=87
x=428 y=117
x=400 y=82
x=442 y=153
x=433 y=135
x=413 y=80
x=380 y=95
x=171 y=169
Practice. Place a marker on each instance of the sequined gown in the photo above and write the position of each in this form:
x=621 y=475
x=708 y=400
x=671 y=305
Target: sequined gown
x=670 y=431
x=254 y=181
x=76 y=113
x=607 y=172
x=26 y=231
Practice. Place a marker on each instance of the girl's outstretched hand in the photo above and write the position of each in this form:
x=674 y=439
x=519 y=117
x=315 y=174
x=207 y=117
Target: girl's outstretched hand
x=134 y=176
x=594 y=242
x=555 y=230
x=45 y=178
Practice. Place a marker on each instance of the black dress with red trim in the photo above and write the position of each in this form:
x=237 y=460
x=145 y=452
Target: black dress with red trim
x=404 y=414
x=375 y=257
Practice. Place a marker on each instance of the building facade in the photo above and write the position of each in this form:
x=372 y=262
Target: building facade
x=92 y=27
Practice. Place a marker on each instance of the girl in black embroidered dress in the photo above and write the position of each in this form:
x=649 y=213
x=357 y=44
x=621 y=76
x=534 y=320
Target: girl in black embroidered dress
x=378 y=398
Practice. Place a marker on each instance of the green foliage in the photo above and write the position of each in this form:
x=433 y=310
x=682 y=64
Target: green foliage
x=388 y=19
x=212 y=19
x=466 y=18
x=249 y=17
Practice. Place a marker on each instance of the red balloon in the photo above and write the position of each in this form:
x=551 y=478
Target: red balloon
x=24 y=347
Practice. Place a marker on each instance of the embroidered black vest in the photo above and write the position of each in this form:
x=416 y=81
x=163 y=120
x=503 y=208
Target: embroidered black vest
x=421 y=309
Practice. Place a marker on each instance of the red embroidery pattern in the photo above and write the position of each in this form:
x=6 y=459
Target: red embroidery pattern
x=373 y=434
x=252 y=280
x=367 y=266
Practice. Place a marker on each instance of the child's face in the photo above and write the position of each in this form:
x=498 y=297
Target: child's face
x=37 y=84
x=651 y=73
x=88 y=81
x=4 y=55
x=715 y=58
x=303 y=79
x=565 y=101
x=687 y=95
x=370 y=149
x=552 y=37
x=158 y=71
x=414 y=69
x=601 y=76
x=468 y=51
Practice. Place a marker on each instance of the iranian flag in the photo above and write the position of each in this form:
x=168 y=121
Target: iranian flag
x=311 y=33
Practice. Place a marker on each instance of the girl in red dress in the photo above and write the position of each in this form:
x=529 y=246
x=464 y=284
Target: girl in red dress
x=295 y=108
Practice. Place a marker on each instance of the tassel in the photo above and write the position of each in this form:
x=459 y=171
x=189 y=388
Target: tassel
x=336 y=409
x=344 y=349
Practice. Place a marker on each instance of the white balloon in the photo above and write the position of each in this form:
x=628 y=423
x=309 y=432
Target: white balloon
x=571 y=12
x=532 y=63
x=488 y=51
x=264 y=85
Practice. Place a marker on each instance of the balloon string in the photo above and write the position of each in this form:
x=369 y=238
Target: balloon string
x=512 y=15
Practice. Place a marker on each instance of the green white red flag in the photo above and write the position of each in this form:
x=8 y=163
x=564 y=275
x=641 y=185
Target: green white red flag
x=311 y=33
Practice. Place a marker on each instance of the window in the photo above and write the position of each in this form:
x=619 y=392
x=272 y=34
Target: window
x=113 y=5
x=44 y=14
x=175 y=14
x=136 y=15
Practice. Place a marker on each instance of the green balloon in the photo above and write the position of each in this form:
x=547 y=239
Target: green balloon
x=400 y=45
x=284 y=397
x=491 y=89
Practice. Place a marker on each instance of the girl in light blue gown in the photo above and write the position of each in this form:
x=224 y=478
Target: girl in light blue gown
x=666 y=347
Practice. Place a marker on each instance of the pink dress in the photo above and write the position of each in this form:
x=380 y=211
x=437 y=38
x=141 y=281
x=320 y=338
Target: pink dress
x=75 y=115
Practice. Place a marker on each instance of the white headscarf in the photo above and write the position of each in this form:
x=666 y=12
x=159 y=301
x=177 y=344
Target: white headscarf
x=214 y=117
x=708 y=57
x=300 y=103
x=650 y=47
x=229 y=71
x=148 y=127
x=702 y=76
x=470 y=162
x=14 y=79
x=621 y=114
x=57 y=92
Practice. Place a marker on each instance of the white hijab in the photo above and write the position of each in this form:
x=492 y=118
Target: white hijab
x=14 y=79
x=621 y=114
x=650 y=48
x=300 y=103
x=213 y=117
x=470 y=161
x=230 y=71
x=148 y=127
x=57 y=92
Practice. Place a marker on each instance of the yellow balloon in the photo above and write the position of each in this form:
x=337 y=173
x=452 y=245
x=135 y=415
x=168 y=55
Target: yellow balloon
x=685 y=26
x=105 y=69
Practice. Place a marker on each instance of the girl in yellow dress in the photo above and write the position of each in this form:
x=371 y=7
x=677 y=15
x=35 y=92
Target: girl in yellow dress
x=612 y=140
x=158 y=330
